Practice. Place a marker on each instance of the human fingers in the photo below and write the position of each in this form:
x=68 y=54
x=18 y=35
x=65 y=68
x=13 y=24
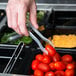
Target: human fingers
x=9 y=18
x=33 y=17
x=15 y=21
x=22 y=21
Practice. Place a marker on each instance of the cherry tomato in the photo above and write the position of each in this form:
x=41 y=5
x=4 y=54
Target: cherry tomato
x=74 y=63
x=70 y=66
x=56 y=57
x=59 y=73
x=35 y=64
x=59 y=65
x=52 y=66
x=69 y=72
x=39 y=57
x=46 y=59
x=44 y=54
x=67 y=58
x=50 y=73
x=38 y=72
x=65 y=63
x=51 y=50
x=43 y=67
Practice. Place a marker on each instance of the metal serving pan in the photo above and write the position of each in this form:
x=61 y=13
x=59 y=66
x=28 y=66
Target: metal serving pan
x=56 y=23
x=60 y=23
x=21 y=60
x=6 y=55
x=2 y=19
x=5 y=31
x=60 y=5
x=23 y=66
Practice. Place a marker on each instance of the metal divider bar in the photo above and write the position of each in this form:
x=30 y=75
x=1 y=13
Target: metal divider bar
x=14 y=57
x=47 y=7
x=2 y=23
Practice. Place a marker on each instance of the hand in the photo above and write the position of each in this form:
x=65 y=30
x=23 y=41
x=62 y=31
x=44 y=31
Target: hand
x=16 y=15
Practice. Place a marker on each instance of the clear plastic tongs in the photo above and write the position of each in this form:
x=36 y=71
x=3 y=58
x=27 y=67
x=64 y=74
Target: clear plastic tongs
x=37 y=40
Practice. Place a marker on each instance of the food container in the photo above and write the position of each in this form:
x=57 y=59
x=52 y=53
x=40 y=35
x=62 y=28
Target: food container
x=21 y=58
x=6 y=33
x=6 y=55
x=22 y=65
x=2 y=19
x=62 y=23
x=55 y=23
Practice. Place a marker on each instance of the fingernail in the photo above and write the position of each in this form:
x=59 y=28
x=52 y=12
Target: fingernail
x=26 y=34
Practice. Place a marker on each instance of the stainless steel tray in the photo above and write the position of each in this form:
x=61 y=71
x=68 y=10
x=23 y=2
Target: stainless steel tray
x=48 y=6
x=50 y=1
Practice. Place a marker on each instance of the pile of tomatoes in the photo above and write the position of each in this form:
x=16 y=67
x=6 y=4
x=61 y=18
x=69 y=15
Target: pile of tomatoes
x=53 y=64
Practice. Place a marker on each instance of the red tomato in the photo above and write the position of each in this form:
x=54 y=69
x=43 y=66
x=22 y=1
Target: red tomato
x=46 y=59
x=65 y=63
x=70 y=66
x=69 y=72
x=59 y=65
x=59 y=73
x=44 y=54
x=52 y=66
x=67 y=58
x=39 y=57
x=51 y=50
x=56 y=57
x=50 y=73
x=43 y=67
x=38 y=72
x=35 y=64
x=74 y=63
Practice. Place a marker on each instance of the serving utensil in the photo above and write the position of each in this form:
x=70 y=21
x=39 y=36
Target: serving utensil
x=34 y=37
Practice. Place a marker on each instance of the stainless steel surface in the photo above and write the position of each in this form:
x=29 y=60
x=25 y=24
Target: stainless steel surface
x=3 y=1
x=60 y=5
x=3 y=5
x=36 y=39
x=41 y=36
x=2 y=23
x=1 y=74
x=14 y=57
x=57 y=7
x=46 y=6
x=12 y=38
x=8 y=45
x=4 y=57
x=66 y=27
x=57 y=1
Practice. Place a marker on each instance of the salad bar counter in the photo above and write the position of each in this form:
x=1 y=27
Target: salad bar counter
x=57 y=22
